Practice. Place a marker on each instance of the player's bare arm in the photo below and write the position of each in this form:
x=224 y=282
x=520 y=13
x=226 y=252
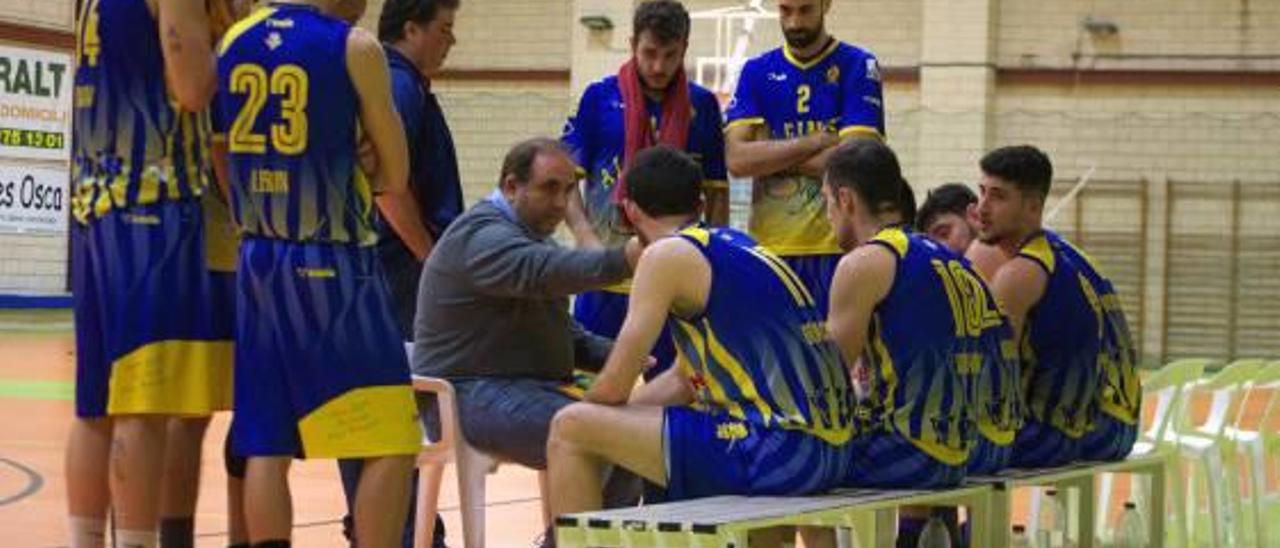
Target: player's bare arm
x=715 y=194
x=368 y=68
x=986 y=259
x=579 y=224
x=654 y=293
x=817 y=164
x=189 y=63
x=861 y=281
x=669 y=389
x=749 y=154
x=221 y=169
x=1017 y=287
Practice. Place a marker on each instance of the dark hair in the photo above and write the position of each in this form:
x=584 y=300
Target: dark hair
x=395 y=13
x=870 y=169
x=953 y=198
x=519 y=160
x=664 y=181
x=667 y=20
x=1024 y=166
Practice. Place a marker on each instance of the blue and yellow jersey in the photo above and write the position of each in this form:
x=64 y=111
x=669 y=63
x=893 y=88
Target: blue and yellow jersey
x=292 y=111
x=837 y=91
x=132 y=144
x=1119 y=390
x=596 y=137
x=934 y=353
x=759 y=350
x=1076 y=350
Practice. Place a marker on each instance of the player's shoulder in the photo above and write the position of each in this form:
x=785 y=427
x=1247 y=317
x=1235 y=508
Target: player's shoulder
x=704 y=100
x=769 y=60
x=699 y=94
x=600 y=91
x=1039 y=249
x=848 y=50
x=673 y=254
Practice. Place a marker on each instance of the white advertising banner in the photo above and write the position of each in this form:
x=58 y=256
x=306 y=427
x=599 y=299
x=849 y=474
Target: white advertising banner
x=33 y=200
x=36 y=88
x=35 y=104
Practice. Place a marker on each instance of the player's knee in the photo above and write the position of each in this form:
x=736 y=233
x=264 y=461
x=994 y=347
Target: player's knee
x=570 y=424
x=130 y=427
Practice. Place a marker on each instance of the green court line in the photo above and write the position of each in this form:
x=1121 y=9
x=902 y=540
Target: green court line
x=37 y=390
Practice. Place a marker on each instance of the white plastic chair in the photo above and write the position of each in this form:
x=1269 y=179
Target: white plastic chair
x=1259 y=447
x=1168 y=385
x=1211 y=452
x=473 y=465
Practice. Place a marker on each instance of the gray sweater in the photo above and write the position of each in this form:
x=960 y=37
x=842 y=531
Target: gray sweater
x=493 y=301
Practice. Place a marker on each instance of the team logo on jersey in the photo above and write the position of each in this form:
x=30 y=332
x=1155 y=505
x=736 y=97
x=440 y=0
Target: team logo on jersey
x=873 y=70
x=833 y=74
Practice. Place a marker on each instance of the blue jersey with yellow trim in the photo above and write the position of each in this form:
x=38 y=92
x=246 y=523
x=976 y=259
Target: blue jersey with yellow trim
x=132 y=144
x=292 y=110
x=1077 y=335
x=937 y=353
x=1075 y=342
x=596 y=137
x=837 y=91
x=759 y=349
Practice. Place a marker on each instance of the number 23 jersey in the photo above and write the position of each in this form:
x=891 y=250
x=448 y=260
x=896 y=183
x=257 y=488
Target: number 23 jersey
x=289 y=110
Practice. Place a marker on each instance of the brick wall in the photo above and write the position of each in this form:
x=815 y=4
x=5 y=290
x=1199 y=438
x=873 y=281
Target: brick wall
x=488 y=117
x=507 y=34
x=53 y=14
x=1201 y=133
x=1047 y=33
x=32 y=263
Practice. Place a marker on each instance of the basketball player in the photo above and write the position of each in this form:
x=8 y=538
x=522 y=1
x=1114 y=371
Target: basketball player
x=320 y=369
x=650 y=101
x=1081 y=389
x=793 y=105
x=924 y=327
x=151 y=342
x=759 y=403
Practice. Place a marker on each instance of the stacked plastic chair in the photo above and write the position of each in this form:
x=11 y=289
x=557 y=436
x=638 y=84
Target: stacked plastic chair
x=1259 y=447
x=1211 y=453
x=1168 y=386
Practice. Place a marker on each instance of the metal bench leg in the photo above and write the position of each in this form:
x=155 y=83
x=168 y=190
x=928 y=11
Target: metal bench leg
x=1088 y=530
x=886 y=528
x=1156 y=508
x=997 y=526
x=980 y=510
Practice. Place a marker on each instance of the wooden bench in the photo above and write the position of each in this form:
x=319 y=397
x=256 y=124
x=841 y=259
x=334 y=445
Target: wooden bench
x=727 y=520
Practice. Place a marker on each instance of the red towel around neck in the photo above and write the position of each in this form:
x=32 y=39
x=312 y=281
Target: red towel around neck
x=677 y=112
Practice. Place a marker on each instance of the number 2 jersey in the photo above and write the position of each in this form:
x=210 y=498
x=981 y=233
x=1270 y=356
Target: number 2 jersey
x=838 y=91
x=938 y=354
x=289 y=110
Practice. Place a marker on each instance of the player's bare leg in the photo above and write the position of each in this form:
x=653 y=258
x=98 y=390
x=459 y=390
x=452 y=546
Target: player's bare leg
x=237 y=528
x=88 y=486
x=268 y=509
x=184 y=442
x=586 y=437
x=382 y=500
x=137 y=452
